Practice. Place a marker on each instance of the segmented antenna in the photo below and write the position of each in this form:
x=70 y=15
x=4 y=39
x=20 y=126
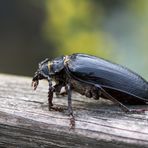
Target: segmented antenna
x=44 y=61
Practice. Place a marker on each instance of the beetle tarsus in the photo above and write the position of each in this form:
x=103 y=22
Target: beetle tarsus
x=34 y=84
x=56 y=108
x=137 y=111
x=72 y=122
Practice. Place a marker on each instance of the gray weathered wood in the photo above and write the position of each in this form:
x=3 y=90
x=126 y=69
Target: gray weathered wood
x=26 y=122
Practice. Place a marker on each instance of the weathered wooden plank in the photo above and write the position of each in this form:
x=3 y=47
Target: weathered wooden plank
x=26 y=122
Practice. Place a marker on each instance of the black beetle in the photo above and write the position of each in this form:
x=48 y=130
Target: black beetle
x=93 y=77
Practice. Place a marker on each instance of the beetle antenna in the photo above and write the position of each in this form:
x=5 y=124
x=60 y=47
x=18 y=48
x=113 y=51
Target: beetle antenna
x=44 y=61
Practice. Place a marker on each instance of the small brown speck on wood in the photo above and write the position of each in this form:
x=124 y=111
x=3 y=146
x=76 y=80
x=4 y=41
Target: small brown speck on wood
x=26 y=122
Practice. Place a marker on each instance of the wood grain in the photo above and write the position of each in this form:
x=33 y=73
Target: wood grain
x=26 y=122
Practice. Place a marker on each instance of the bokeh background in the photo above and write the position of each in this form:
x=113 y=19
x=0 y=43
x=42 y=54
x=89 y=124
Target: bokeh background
x=31 y=30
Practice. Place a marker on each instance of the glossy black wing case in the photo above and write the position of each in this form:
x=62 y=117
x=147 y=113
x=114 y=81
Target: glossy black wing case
x=108 y=75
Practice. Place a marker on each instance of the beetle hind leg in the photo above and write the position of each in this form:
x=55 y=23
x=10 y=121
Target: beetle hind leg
x=124 y=108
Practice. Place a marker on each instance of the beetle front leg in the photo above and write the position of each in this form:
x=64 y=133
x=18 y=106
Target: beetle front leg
x=50 y=98
x=70 y=110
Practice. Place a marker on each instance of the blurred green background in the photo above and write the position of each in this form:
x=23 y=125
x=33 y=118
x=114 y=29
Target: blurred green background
x=31 y=30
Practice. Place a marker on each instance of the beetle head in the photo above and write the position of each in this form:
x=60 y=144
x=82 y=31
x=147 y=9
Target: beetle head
x=47 y=69
x=41 y=73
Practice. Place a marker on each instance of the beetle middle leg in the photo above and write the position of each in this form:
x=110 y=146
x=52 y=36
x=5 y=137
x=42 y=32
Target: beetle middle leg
x=70 y=110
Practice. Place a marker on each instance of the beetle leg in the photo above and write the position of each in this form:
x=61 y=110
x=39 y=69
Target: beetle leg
x=68 y=88
x=126 y=109
x=50 y=98
x=34 y=84
x=70 y=110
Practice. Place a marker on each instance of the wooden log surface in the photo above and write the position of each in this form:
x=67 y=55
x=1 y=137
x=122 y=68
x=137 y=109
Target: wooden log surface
x=26 y=122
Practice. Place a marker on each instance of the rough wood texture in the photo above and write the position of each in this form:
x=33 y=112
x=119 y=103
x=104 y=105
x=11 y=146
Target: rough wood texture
x=26 y=122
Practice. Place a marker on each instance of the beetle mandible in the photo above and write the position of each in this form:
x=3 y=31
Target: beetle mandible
x=93 y=77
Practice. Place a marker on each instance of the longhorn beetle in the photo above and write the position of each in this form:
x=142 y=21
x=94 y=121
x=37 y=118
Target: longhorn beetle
x=93 y=77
